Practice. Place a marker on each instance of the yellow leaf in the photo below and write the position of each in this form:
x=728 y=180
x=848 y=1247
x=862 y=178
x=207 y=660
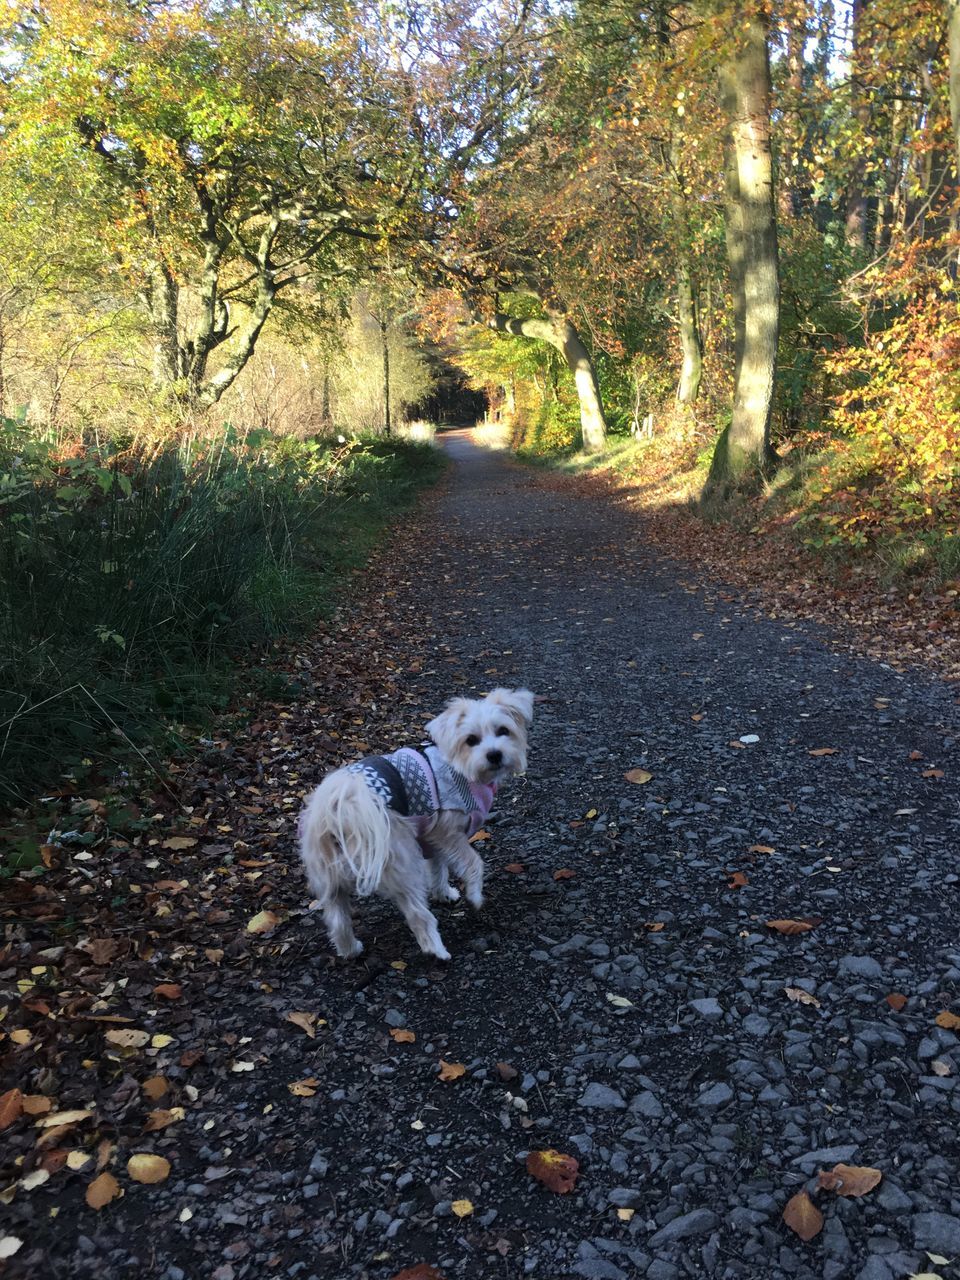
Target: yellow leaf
x=148 y=1168
x=127 y=1038
x=451 y=1070
x=63 y=1117
x=625 y=1214
x=462 y=1208
x=591 y=813
x=160 y=1041
x=263 y=922
x=479 y=836
x=949 y=1021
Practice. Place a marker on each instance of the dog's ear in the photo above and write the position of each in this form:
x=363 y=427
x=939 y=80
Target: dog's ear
x=445 y=727
x=519 y=701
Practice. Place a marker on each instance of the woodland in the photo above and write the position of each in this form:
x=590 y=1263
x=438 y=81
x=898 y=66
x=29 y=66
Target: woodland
x=709 y=247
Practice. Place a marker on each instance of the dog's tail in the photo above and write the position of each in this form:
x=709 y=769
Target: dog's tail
x=344 y=833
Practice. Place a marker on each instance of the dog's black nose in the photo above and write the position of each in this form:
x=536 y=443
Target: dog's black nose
x=495 y=757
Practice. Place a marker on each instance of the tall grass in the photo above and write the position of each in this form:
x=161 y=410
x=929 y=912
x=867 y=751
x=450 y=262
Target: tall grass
x=129 y=575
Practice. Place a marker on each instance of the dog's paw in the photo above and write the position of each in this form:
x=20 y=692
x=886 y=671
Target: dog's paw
x=350 y=953
x=475 y=898
x=450 y=894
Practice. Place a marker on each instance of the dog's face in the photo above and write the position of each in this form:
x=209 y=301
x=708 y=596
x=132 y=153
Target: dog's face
x=486 y=739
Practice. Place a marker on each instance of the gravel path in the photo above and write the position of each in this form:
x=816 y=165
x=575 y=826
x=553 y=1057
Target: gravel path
x=637 y=1007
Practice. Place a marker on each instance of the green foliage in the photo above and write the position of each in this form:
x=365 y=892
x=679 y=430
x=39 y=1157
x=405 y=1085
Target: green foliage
x=128 y=576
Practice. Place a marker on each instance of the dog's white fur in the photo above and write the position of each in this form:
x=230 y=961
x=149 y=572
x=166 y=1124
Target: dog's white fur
x=351 y=842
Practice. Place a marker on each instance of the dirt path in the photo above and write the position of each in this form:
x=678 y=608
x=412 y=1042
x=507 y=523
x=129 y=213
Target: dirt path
x=638 y=1005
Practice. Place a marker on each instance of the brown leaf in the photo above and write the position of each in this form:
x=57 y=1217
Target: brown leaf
x=849 y=1179
x=160 y=1119
x=802 y=1216
x=800 y=996
x=35 y=1104
x=11 y=1107
x=304 y=1088
x=564 y=874
x=506 y=1072
x=402 y=1035
x=948 y=1020
x=156 y=1087
x=180 y=842
x=640 y=776
x=168 y=990
x=823 y=751
x=147 y=1168
x=515 y=868
x=556 y=1171
x=698 y=716
x=305 y=1021
x=737 y=880
x=654 y=926
x=102 y=1190
x=915 y=755
x=478 y=837
x=451 y=1070
x=101 y=950
x=791 y=927
x=127 y=1038
x=896 y=1001
x=422 y=1271
x=761 y=848
x=931 y=773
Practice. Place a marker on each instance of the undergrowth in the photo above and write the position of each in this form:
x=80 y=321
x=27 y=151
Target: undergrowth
x=133 y=578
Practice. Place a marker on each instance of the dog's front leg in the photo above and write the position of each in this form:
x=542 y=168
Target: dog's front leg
x=467 y=864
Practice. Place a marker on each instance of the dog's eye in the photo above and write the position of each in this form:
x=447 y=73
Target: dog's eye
x=503 y=732
x=472 y=740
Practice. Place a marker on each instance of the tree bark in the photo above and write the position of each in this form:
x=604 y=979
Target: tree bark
x=386 y=376
x=953 y=48
x=691 y=350
x=856 y=210
x=559 y=331
x=752 y=242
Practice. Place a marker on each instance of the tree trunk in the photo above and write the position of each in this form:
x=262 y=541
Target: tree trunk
x=953 y=47
x=386 y=377
x=162 y=299
x=745 y=446
x=560 y=332
x=691 y=366
x=856 y=211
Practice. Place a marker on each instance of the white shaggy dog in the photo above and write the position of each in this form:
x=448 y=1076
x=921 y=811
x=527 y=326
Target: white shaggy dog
x=398 y=825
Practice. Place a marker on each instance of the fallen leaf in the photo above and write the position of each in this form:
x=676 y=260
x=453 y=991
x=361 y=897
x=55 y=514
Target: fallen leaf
x=849 y=1179
x=800 y=996
x=102 y=1190
x=761 y=848
x=639 y=776
x=896 y=1001
x=802 y=1216
x=823 y=751
x=160 y=1119
x=924 y=1275
x=791 y=927
x=180 y=842
x=462 y=1208
x=305 y=1021
x=399 y=965
x=9 y=1245
x=21 y=1035
x=949 y=1021
x=515 y=868
x=737 y=880
x=402 y=1035
x=155 y=1087
x=556 y=1171
x=160 y=1041
x=915 y=755
x=478 y=837
x=564 y=874
x=621 y=1002
x=127 y=1037
x=698 y=716
x=591 y=813
x=940 y=1067
x=451 y=1070
x=506 y=1072
x=625 y=1215
x=63 y=1117
x=420 y=1272
x=11 y=1107
x=737 y=746
x=168 y=990
x=304 y=1088
x=654 y=926
x=931 y=773
x=35 y=1104
x=263 y=922
x=148 y=1168
x=78 y=1159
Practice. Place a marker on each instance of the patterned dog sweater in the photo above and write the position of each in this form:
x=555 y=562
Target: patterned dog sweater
x=418 y=784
